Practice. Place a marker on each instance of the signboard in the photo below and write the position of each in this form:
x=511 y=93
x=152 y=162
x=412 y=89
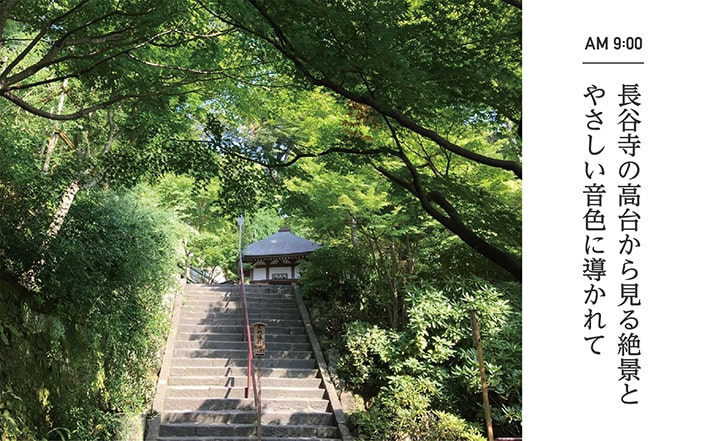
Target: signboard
x=259 y=339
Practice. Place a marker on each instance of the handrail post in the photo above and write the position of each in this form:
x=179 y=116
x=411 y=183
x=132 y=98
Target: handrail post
x=483 y=376
x=259 y=353
x=246 y=314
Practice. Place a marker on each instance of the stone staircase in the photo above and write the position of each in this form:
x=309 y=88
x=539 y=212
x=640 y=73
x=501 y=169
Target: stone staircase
x=204 y=383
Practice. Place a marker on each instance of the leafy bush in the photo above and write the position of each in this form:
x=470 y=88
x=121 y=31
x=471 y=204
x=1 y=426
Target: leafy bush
x=403 y=411
x=366 y=363
x=432 y=363
x=87 y=345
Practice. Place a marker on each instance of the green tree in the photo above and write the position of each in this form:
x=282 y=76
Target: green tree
x=114 y=77
x=358 y=210
x=120 y=51
x=106 y=149
x=421 y=76
x=210 y=230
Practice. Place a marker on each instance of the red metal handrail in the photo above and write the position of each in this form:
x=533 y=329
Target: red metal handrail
x=246 y=333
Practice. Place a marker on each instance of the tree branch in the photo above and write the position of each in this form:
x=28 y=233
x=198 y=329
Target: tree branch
x=286 y=48
x=189 y=70
x=452 y=220
x=515 y=3
x=5 y=11
x=80 y=113
x=114 y=134
x=49 y=60
x=301 y=155
x=39 y=37
x=406 y=122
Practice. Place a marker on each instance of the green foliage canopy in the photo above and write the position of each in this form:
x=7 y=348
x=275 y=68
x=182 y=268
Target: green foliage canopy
x=415 y=78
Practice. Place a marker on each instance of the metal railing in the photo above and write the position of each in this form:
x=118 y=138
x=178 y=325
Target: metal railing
x=246 y=333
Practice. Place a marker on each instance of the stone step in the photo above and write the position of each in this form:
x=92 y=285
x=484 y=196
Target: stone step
x=267 y=289
x=268 y=404
x=237 y=337
x=273 y=312
x=211 y=295
x=249 y=417
x=239 y=354
x=204 y=395
x=236 y=297
x=222 y=372
x=240 y=345
x=223 y=307
x=267 y=363
x=202 y=319
x=226 y=321
x=237 y=315
x=273 y=320
x=235 y=329
x=269 y=379
x=211 y=309
x=235 y=326
x=252 y=299
x=274 y=430
x=216 y=306
x=190 y=287
x=236 y=289
x=271 y=304
x=239 y=392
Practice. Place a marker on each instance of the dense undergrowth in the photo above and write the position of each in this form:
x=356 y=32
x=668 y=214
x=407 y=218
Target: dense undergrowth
x=79 y=353
x=421 y=379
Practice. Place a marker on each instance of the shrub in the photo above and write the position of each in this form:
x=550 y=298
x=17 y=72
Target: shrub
x=432 y=362
x=403 y=411
x=369 y=352
x=87 y=345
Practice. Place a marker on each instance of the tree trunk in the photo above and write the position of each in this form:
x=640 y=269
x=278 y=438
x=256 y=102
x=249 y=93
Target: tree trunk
x=353 y=231
x=54 y=139
x=29 y=278
x=451 y=219
x=61 y=212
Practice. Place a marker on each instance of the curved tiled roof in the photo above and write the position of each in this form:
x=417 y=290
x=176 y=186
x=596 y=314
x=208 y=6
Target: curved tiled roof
x=283 y=242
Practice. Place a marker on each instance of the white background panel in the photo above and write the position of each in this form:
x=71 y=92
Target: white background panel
x=570 y=394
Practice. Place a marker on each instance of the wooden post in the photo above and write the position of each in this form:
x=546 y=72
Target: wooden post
x=483 y=375
x=259 y=353
x=258 y=404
